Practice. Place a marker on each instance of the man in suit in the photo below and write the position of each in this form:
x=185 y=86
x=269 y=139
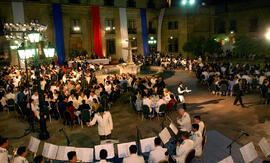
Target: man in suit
x=133 y=156
x=238 y=92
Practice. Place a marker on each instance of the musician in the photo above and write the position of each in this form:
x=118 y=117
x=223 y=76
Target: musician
x=196 y=137
x=72 y=157
x=184 y=148
x=158 y=154
x=21 y=152
x=3 y=150
x=105 y=124
x=184 y=120
x=238 y=92
x=181 y=91
x=133 y=156
x=197 y=120
x=103 y=155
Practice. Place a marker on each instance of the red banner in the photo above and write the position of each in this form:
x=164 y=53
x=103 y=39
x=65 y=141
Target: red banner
x=96 y=30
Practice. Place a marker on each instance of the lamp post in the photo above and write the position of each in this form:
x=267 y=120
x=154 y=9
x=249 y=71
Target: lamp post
x=33 y=32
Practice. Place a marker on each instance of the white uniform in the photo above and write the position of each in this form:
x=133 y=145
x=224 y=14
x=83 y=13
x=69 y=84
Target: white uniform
x=105 y=124
x=183 y=150
x=201 y=126
x=20 y=159
x=3 y=155
x=133 y=158
x=181 y=92
x=158 y=154
x=196 y=137
x=103 y=161
x=185 y=122
x=148 y=102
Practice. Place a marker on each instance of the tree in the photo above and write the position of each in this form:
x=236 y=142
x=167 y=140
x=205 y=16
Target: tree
x=194 y=46
x=210 y=47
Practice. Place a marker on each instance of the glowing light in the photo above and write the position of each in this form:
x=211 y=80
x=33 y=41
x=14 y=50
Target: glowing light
x=191 y=2
x=184 y=2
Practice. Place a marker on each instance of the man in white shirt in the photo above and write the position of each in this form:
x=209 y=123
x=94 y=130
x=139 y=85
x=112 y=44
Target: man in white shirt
x=158 y=154
x=92 y=96
x=160 y=102
x=184 y=121
x=21 y=152
x=184 y=148
x=147 y=101
x=133 y=158
x=197 y=120
x=10 y=95
x=103 y=155
x=72 y=157
x=196 y=137
x=3 y=150
x=105 y=123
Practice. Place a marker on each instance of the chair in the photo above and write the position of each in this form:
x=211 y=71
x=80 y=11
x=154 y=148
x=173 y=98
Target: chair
x=204 y=131
x=10 y=105
x=146 y=111
x=124 y=86
x=190 y=156
x=68 y=118
x=175 y=105
x=85 y=116
x=162 y=109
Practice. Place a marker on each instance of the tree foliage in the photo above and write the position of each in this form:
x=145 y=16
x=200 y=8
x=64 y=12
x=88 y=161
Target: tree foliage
x=194 y=46
x=211 y=47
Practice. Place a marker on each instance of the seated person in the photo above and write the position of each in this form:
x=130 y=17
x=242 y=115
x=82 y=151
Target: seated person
x=158 y=154
x=147 y=101
x=160 y=102
x=95 y=105
x=72 y=157
x=71 y=109
x=103 y=155
x=134 y=157
x=171 y=103
x=196 y=137
x=197 y=120
x=184 y=120
x=184 y=148
x=21 y=154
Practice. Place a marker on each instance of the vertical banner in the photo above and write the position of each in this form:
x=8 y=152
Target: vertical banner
x=124 y=33
x=144 y=32
x=59 y=34
x=160 y=20
x=96 y=31
x=18 y=12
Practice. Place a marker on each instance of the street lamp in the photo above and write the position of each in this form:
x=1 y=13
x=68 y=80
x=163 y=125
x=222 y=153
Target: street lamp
x=49 y=51
x=267 y=35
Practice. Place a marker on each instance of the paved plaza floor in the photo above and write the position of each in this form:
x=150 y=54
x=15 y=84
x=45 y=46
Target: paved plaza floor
x=217 y=112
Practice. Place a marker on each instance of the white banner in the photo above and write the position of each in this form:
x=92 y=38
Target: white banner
x=160 y=20
x=124 y=33
x=18 y=12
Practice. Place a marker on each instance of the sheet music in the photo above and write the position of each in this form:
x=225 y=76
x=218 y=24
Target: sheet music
x=264 y=147
x=62 y=152
x=123 y=149
x=165 y=135
x=50 y=151
x=108 y=147
x=248 y=152
x=85 y=154
x=227 y=160
x=147 y=144
x=174 y=128
x=33 y=144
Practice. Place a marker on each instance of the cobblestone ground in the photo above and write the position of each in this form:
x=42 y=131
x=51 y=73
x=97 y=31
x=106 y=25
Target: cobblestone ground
x=217 y=112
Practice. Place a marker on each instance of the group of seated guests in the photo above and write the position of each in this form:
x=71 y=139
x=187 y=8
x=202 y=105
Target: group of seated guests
x=221 y=77
x=191 y=138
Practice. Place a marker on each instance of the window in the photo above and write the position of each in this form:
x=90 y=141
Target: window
x=253 y=25
x=172 y=25
x=150 y=4
x=108 y=2
x=133 y=42
x=151 y=30
x=131 y=3
x=110 y=47
x=109 y=26
x=75 y=26
x=74 y=1
x=132 y=26
x=233 y=25
x=173 y=45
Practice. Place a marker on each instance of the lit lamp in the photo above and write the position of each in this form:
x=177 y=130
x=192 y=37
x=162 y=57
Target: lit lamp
x=267 y=35
x=21 y=52
x=49 y=51
x=34 y=37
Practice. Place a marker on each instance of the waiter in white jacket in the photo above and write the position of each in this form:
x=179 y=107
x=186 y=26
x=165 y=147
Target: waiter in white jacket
x=181 y=91
x=184 y=148
x=105 y=124
x=196 y=137
x=184 y=121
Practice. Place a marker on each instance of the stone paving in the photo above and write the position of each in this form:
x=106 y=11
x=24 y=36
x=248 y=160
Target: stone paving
x=217 y=112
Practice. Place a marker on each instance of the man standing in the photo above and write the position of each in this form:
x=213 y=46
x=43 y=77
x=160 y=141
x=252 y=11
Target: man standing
x=133 y=156
x=238 y=92
x=184 y=121
x=158 y=154
x=3 y=150
x=184 y=148
x=196 y=137
x=181 y=90
x=105 y=124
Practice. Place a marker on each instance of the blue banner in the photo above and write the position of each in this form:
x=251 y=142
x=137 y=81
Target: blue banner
x=59 y=34
x=144 y=32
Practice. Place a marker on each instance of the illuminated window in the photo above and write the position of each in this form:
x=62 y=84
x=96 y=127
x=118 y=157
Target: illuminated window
x=75 y=26
x=172 y=25
x=132 y=26
x=109 y=26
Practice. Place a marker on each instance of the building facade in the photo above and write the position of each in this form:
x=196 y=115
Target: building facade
x=179 y=25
